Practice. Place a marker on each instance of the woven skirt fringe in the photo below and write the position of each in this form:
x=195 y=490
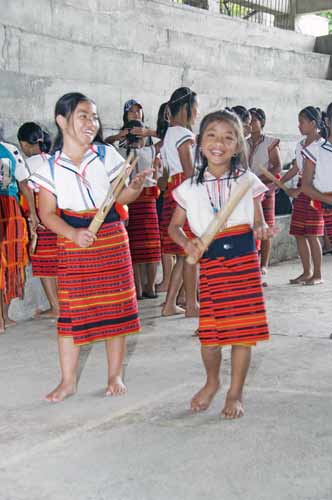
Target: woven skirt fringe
x=232 y=309
x=143 y=230
x=14 y=254
x=96 y=287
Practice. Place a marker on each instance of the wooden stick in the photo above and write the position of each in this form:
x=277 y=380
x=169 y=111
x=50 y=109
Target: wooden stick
x=218 y=223
x=113 y=193
x=272 y=178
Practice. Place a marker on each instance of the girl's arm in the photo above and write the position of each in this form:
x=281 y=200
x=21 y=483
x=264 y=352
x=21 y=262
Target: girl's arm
x=144 y=132
x=186 y=158
x=194 y=247
x=130 y=193
x=307 y=184
x=261 y=230
x=290 y=173
x=82 y=237
x=275 y=161
x=117 y=137
x=28 y=194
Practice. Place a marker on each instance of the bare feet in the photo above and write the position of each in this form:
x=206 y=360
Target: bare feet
x=162 y=287
x=49 y=313
x=63 y=391
x=313 y=281
x=233 y=407
x=9 y=322
x=300 y=279
x=116 y=387
x=172 y=311
x=203 y=398
x=192 y=312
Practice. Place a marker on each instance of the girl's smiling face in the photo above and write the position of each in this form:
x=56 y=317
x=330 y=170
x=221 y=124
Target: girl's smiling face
x=219 y=144
x=82 y=125
x=306 y=126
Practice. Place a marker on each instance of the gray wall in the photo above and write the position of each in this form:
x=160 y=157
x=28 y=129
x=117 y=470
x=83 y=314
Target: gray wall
x=116 y=49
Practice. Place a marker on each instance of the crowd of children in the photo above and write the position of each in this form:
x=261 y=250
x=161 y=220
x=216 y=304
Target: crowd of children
x=179 y=182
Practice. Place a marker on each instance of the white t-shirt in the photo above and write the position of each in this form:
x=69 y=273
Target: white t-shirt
x=146 y=157
x=259 y=154
x=84 y=187
x=320 y=153
x=33 y=164
x=201 y=200
x=299 y=153
x=174 y=138
x=21 y=172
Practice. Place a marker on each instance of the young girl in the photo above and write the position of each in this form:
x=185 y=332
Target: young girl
x=143 y=226
x=95 y=281
x=35 y=144
x=177 y=155
x=264 y=152
x=307 y=224
x=13 y=231
x=317 y=178
x=232 y=307
x=132 y=110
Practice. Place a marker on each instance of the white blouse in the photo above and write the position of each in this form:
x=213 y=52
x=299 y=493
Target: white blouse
x=84 y=187
x=201 y=201
x=146 y=157
x=174 y=138
x=320 y=153
x=259 y=154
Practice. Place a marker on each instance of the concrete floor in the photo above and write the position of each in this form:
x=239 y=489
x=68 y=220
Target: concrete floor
x=147 y=445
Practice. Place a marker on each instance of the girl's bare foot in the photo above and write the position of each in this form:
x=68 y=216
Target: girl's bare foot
x=300 y=279
x=192 y=312
x=116 y=387
x=233 y=407
x=162 y=287
x=172 y=311
x=49 y=313
x=203 y=398
x=63 y=391
x=313 y=281
x=9 y=323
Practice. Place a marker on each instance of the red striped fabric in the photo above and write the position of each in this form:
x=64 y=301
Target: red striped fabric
x=143 y=228
x=328 y=223
x=45 y=259
x=96 y=287
x=306 y=220
x=268 y=205
x=169 y=204
x=13 y=245
x=232 y=309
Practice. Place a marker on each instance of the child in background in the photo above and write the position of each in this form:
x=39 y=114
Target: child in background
x=264 y=152
x=307 y=224
x=35 y=144
x=232 y=310
x=143 y=226
x=96 y=287
x=177 y=156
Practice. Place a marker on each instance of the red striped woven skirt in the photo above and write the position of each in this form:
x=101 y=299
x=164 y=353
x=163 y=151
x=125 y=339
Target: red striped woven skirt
x=306 y=220
x=169 y=204
x=96 y=287
x=45 y=259
x=268 y=205
x=232 y=309
x=143 y=228
x=328 y=224
x=13 y=243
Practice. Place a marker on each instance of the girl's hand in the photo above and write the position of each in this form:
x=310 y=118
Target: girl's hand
x=123 y=133
x=265 y=232
x=34 y=222
x=293 y=192
x=83 y=237
x=138 y=181
x=194 y=248
x=139 y=131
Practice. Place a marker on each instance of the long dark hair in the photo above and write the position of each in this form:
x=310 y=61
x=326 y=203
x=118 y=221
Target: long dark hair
x=32 y=133
x=239 y=161
x=162 y=122
x=313 y=114
x=65 y=107
x=181 y=97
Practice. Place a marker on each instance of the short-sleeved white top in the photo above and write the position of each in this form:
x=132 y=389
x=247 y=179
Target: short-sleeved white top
x=34 y=163
x=299 y=153
x=259 y=154
x=21 y=172
x=146 y=157
x=200 y=200
x=84 y=187
x=174 y=138
x=320 y=153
